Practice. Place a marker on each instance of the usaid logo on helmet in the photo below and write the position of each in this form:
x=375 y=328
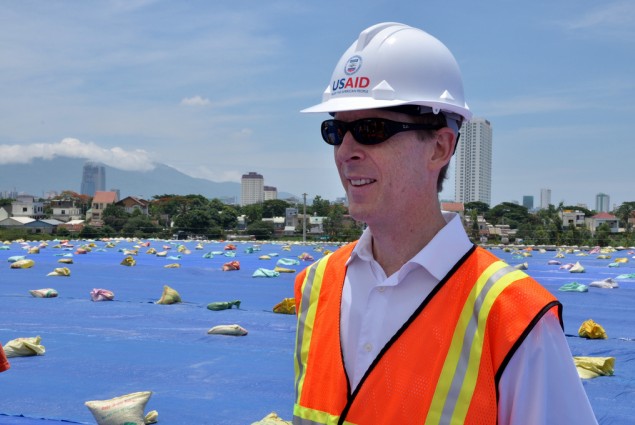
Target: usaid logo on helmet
x=351 y=84
x=353 y=65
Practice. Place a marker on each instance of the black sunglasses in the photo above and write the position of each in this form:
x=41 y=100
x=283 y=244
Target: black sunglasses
x=368 y=131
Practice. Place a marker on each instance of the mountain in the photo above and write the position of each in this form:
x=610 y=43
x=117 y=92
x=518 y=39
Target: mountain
x=61 y=173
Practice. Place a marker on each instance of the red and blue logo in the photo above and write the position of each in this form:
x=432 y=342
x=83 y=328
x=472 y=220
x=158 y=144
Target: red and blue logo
x=353 y=65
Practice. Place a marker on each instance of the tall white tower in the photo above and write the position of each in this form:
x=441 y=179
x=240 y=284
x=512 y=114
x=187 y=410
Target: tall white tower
x=93 y=178
x=473 y=163
x=545 y=198
x=252 y=188
x=602 y=202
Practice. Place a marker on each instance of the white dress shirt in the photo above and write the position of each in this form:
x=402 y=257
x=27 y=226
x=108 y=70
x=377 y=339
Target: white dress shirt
x=375 y=306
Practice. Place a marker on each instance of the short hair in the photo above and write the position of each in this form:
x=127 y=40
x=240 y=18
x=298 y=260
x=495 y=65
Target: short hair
x=440 y=121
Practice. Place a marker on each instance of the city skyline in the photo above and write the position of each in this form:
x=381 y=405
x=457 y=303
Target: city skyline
x=214 y=89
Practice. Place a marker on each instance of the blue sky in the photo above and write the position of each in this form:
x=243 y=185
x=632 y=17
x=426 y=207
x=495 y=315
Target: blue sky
x=214 y=88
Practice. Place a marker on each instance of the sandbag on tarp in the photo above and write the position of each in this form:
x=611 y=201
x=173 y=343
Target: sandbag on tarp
x=43 y=293
x=170 y=296
x=162 y=254
x=607 y=283
x=123 y=410
x=592 y=330
x=272 y=419
x=223 y=305
x=554 y=262
x=128 y=261
x=208 y=255
x=522 y=266
x=305 y=256
x=23 y=347
x=577 y=268
x=174 y=257
x=283 y=269
x=15 y=258
x=230 y=254
x=231 y=265
x=34 y=250
x=22 y=264
x=172 y=266
x=287 y=262
x=60 y=271
x=264 y=257
x=233 y=330
x=65 y=260
x=286 y=306
x=151 y=251
x=99 y=294
x=626 y=276
x=592 y=367
x=260 y=272
x=573 y=287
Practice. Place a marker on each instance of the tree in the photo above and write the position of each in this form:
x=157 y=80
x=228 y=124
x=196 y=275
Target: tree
x=261 y=230
x=624 y=212
x=480 y=207
x=115 y=216
x=253 y=212
x=507 y=213
x=196 y=221
x=320 y=207
x=274 y=208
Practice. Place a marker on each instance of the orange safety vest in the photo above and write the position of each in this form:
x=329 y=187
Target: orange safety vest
x=444 y=364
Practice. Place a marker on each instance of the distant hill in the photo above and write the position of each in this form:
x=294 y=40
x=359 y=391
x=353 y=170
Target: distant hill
x=42 y=176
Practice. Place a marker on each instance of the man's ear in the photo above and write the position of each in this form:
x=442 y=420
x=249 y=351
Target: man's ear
x=444 y=147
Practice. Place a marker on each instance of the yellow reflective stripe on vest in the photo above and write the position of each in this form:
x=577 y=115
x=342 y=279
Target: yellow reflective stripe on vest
x=306 y=416
x=455 y=387
x=306 y=318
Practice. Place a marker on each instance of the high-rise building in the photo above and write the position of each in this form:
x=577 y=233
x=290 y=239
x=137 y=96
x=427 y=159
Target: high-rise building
x=545 y=198
x=271 y=192
x=473 y=172
x=252 y=188
x=93 y=178
x=528 y=202
x=602 y=202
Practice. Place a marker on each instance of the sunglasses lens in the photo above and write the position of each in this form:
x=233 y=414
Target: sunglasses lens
x=370 y=131
x=332 y=132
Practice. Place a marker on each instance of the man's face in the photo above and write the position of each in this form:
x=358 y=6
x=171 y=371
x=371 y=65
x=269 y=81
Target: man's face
x=385 y=181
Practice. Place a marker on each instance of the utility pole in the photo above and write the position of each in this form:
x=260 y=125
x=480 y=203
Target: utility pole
x=304 y=220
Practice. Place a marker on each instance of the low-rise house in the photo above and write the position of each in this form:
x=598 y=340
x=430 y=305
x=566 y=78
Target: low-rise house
x=42 y=226
x=27 y=206
x=572 y=218
x=65 y=210
x=278 y=224
x=131 y=204
x=16 y=222
x=603 y=218
x=73 y=225
x=5 y=212
x=456 y=207
x=100 y=201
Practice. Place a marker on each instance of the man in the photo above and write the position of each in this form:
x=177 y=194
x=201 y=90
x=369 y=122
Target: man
x=413 y=323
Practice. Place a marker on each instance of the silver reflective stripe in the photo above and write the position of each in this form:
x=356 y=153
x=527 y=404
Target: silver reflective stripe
x=306 y=297
x=300 y=421
x=470 y=333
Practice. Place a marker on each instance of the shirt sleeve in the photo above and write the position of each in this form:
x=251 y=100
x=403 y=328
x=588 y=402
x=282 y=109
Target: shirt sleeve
x=541 y=384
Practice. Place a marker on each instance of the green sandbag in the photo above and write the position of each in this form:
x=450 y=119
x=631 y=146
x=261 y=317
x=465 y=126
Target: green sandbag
x=223 y=305
x=265 y=273
x=574 y=287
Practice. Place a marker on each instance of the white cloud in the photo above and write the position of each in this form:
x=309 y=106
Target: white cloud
x=195 y=101
x=138 y=160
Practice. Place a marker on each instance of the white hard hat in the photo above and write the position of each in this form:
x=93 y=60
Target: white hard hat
x=393 y=64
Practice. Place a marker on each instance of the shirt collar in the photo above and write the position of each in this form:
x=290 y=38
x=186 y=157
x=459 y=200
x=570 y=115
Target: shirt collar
x=447 y=247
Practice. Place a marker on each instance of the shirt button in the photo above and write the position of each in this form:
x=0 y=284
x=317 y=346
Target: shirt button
x=381 y=288
x=368 y=347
